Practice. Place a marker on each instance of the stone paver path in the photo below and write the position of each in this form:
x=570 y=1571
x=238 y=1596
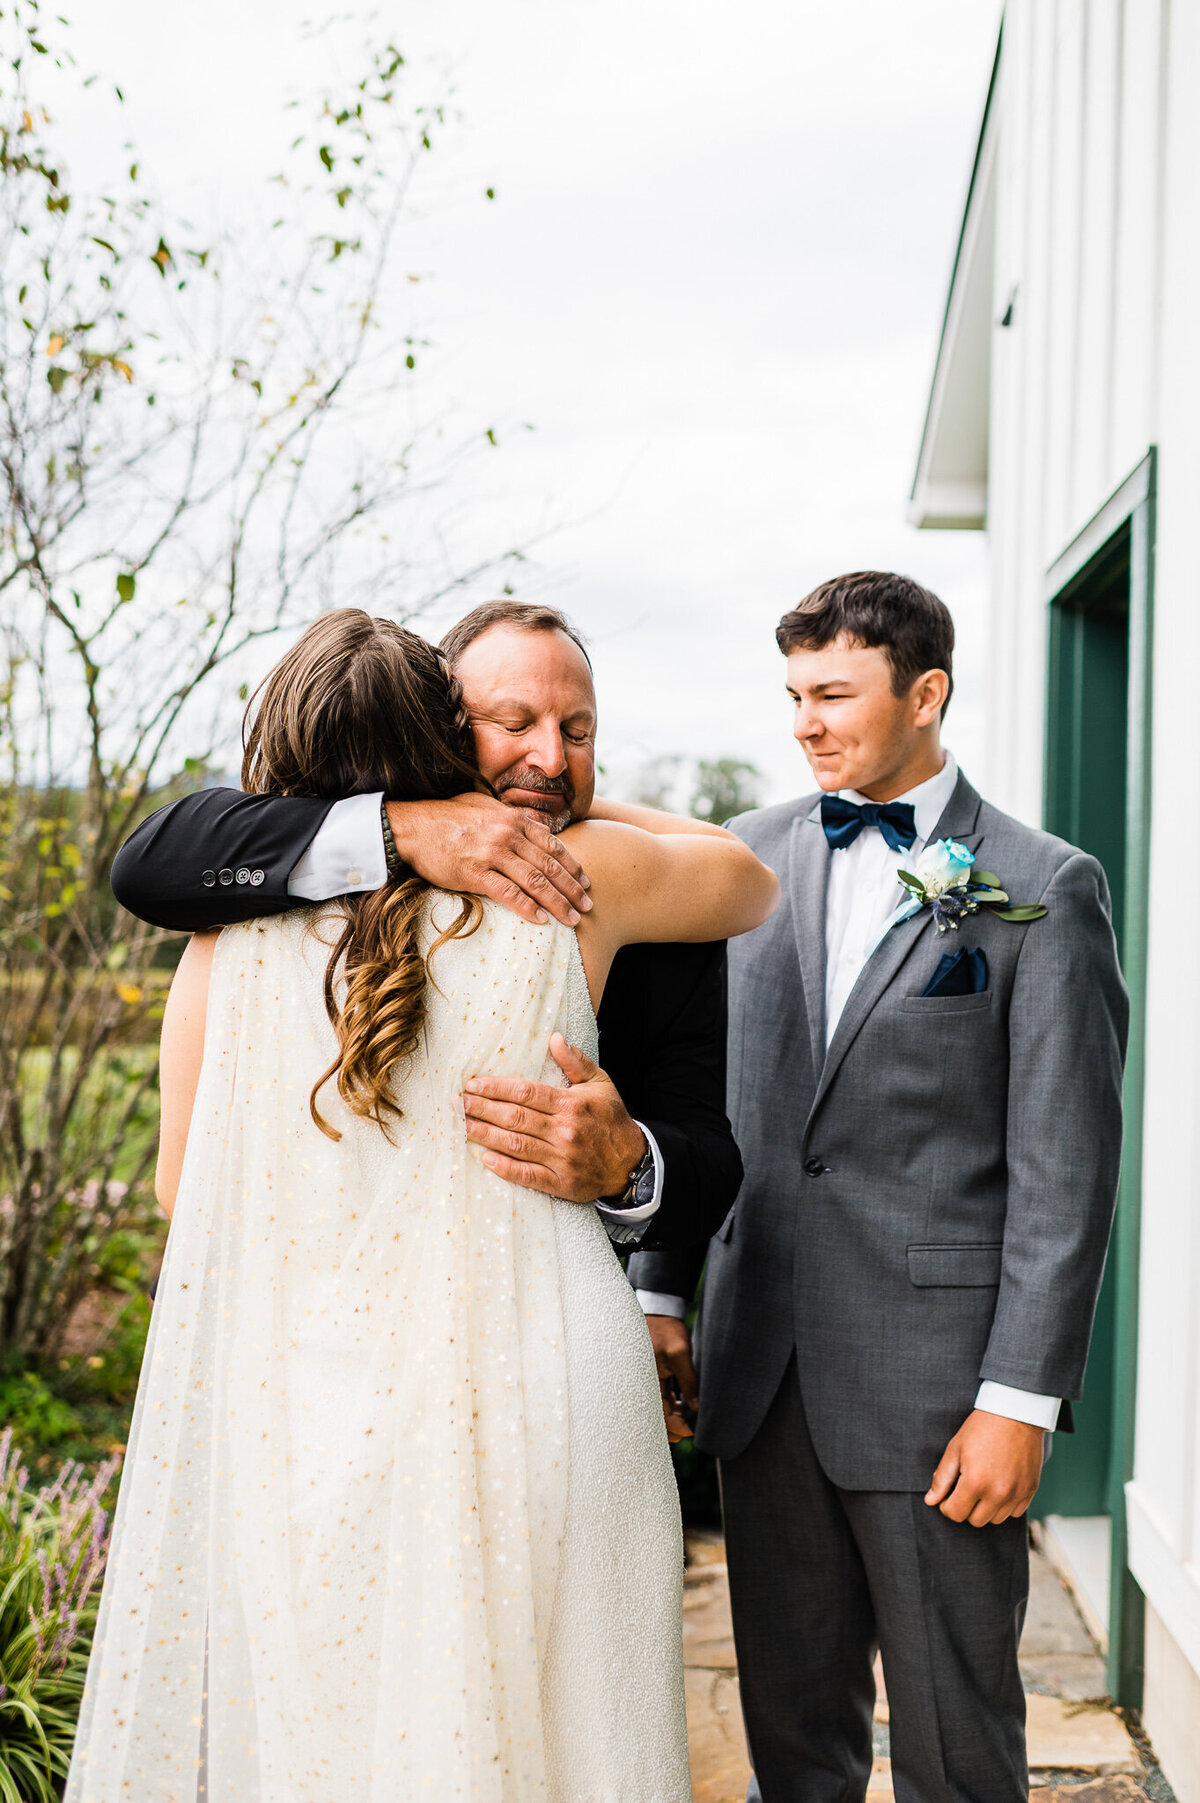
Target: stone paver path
x=1077 y=1742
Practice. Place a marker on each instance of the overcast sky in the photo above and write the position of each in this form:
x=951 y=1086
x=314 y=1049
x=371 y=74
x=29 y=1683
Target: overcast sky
x=712 y=280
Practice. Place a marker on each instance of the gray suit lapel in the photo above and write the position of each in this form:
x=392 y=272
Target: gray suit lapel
x=959 y=821
x=808 y=863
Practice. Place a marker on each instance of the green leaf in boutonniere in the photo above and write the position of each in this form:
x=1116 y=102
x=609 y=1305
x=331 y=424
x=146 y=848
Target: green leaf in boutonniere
x=988 y=893
x=985 y=879
x=911 y=882
x=1034 y=912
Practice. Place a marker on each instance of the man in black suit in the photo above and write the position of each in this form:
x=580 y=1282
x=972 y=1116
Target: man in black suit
x=648 y=1132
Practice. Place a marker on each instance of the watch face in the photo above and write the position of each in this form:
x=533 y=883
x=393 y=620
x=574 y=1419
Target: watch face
x=643 y=1189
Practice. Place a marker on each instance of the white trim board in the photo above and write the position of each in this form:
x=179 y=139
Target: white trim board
x=1171 y=1584
x=1079 y=1548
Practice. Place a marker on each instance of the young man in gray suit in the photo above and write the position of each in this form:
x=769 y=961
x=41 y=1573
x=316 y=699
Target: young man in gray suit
x=899 y=1305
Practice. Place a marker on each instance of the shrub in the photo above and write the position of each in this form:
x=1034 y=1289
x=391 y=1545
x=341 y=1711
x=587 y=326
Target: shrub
x=34 y=1414
x=53 y=1546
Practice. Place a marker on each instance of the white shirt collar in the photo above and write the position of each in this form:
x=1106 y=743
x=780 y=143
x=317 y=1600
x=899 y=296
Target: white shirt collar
x=929 y=799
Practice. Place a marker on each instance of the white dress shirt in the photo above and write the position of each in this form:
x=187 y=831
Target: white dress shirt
x=347 y=857
x=863 y=892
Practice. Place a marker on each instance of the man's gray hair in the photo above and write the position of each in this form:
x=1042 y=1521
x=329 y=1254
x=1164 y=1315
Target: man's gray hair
x=525 y=616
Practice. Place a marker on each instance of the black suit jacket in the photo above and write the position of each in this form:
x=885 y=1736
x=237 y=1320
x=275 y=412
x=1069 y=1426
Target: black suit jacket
x=220 y=856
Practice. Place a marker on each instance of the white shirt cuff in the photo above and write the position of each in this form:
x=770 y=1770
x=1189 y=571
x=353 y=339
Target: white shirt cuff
x=346 y=857
x=1019 y=1405
x=655 y=1303
x=637 y=1217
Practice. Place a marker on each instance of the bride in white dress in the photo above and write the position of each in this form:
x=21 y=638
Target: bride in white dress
x=397 y=1519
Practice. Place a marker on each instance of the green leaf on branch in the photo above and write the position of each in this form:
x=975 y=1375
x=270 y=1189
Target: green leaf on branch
x=126 y=586
x=326 y=156
x=56 y=375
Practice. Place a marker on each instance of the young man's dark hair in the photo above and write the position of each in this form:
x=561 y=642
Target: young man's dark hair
x=526 y=616
x=876 y=609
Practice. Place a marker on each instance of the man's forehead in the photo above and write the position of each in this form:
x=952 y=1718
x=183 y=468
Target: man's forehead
x=843 y=659
x=535 y=669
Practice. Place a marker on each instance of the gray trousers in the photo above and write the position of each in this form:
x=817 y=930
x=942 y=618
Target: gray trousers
x=821 y=1577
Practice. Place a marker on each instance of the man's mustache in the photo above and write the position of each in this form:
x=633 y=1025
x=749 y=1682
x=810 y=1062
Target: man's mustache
x=523 y=778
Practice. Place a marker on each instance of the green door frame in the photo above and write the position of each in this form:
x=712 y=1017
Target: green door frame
x=1132 y=505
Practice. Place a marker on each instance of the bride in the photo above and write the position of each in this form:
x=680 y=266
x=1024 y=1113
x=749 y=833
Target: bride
x=397 y=1519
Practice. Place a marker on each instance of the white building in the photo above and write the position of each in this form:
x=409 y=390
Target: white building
x=1064 y=420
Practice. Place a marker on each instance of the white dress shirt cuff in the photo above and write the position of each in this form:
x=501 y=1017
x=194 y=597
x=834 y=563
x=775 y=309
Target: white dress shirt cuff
x=1019 y=1405
x=655 y=1303
x=346 y=857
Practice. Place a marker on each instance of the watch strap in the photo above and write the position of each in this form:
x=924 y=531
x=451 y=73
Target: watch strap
x=395 y=863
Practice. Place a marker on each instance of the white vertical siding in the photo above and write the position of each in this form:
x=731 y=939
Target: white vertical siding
x=1021 y=361
x=1164 y=1523
x=1137 y=262
x=1099 y=211
x=1098 y=233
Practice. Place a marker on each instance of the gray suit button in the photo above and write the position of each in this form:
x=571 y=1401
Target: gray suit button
x=209 y=879
x=243 y=875
x=257 y=877
x=225 y=878
x=814 y=1168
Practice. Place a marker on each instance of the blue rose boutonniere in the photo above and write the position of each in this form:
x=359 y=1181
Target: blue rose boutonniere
x=945 y=881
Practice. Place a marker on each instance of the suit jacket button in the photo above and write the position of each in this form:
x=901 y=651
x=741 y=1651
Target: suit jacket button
x=209 y=879
x=243 y=875
x=257 y=878
x=225 y=877
x=814 y=1168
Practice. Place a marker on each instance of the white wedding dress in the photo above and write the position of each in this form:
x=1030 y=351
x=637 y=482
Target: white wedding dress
x=397 y=1520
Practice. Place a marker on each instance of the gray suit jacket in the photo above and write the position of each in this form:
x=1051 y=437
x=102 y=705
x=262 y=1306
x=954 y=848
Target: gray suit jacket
x=928 y=1203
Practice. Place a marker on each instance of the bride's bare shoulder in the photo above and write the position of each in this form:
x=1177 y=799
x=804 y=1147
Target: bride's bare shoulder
x=609 y=850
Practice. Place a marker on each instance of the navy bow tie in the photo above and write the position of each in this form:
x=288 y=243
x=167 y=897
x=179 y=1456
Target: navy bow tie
x=844 y=821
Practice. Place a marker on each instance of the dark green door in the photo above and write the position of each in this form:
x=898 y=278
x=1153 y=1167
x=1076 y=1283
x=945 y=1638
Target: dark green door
x=1098 y=796
x=1086 y=784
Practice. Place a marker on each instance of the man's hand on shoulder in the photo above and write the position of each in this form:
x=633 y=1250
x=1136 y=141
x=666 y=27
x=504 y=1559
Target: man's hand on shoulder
x=578 y=1142
x=990 y=1470
x=480 y=846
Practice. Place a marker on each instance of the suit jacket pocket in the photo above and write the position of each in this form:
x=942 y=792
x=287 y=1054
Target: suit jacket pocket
x=954 y=1267
x=946 y=1004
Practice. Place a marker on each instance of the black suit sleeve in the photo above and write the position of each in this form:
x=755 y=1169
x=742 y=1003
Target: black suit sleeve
x=662 y=1028
x=169 y=870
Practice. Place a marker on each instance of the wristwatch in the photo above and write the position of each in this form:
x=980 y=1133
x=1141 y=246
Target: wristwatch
x=640 y=1188
x=395 y=863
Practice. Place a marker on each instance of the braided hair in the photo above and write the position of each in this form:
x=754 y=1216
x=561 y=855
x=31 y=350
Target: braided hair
x=358 y=705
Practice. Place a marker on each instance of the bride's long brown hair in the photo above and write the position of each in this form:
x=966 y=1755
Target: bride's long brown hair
x=357 y=705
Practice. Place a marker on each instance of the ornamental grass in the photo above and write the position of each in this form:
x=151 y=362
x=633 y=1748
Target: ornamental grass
x=53 y=1545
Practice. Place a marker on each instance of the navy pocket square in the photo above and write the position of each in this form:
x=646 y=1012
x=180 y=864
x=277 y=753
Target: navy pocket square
x=959 y=973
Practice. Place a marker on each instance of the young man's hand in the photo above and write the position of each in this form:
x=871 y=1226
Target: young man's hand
x=990 y=1470
x=480 y=846
x=672 y=1345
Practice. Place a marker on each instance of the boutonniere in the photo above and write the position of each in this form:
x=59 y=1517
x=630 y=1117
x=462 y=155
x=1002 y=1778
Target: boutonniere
x=946 y=881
